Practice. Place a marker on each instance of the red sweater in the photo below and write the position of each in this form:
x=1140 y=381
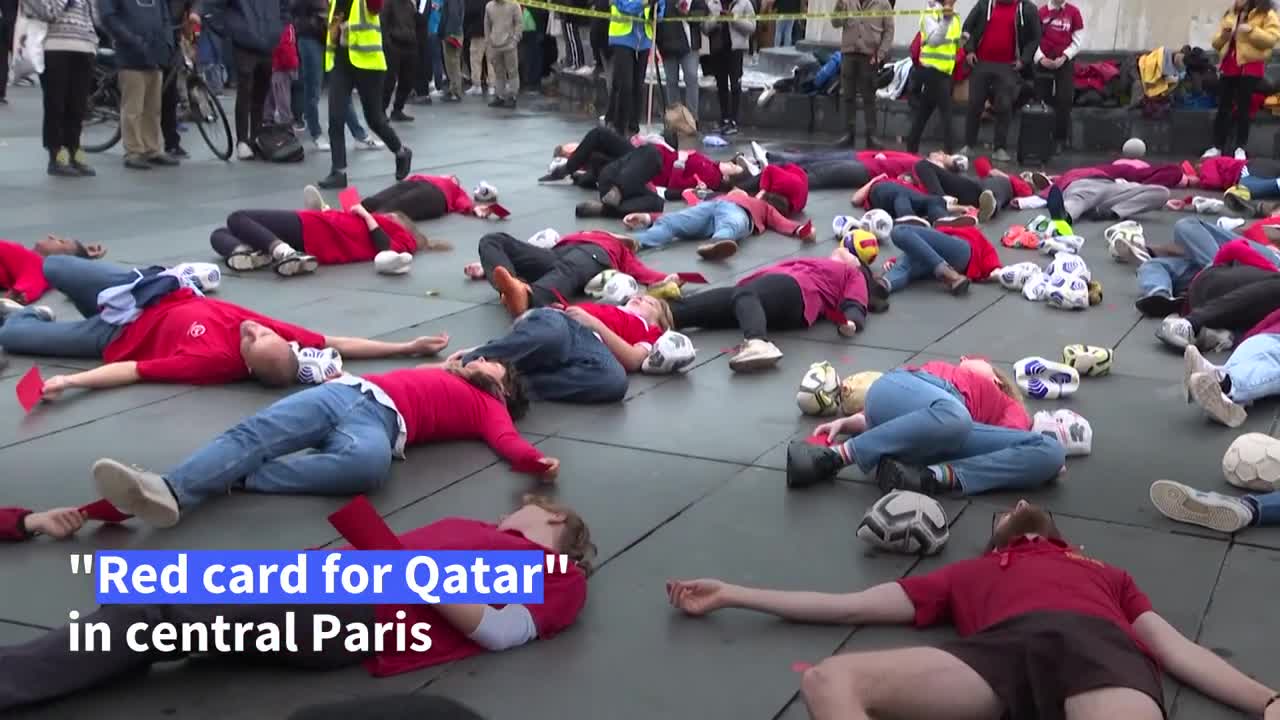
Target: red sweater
x=763 y=215
x=983 y=258
x=1240 y=251
x=887 y=162
x=337 y=237
x=789 y=181
x=999 y=42
x=697 y=167
x=1220 y=173
x=824 y=285
x=621 y=256
x=1257 y=231
x=11 y=518
x=456 y=199
x=22 y=271
x=987 y=403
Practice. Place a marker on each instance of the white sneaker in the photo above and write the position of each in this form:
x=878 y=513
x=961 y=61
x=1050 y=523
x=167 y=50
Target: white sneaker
x=245 y=259
x=295 y=263
x=321 y=144
x=755 y=354
x=137 y=492
x=1208 y=205
x=1045 y=379
x=1062 y=243
x=474 y=90
x=1241 y=155
x=390 y=262
x=244 y=152
x=1126 y=242
x=1212 y=152
x=312 y=199
x=1206 y=391
x=1207 y=509
x=370 y=142
x=1176 y=332
x=912 y=220
x=1193 y=363
x=761 y=156
x=205 y=276
x=1230 y=224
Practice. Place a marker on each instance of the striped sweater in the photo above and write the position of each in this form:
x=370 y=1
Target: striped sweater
x=71 y=23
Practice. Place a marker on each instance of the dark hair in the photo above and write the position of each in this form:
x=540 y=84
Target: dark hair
x=779 y=202
x=575 y=541
x=513 y=391
x=81 y=250
x=1259 y=5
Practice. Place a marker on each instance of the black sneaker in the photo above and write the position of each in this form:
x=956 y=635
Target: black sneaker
x=179 y=152
x=810 y=464
x=404 y=161
x=612 y=198
x=400 y=116
x=134 y=162
x=730 y=128
x=894 y=474
x=336 y=180
x=1158 y=305
x=497 y=103
x=553 y=176
x=589 y=209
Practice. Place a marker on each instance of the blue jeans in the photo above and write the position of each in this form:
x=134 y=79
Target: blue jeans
x=1261 y=188
x=561 y=359
x=1171 y=276
x=350 y=436
x=1254 y=368
x=923 y=252
x=715 y=219
x=311 y=70
x=782 y=32
x=901 y=201
x=435 y=52
x=81 y=280
x=920 y=419
x=1268 y=507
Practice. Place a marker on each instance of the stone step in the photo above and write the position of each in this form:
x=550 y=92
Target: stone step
x=781 y=61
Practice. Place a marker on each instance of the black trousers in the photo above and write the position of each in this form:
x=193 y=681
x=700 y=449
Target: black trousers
x=418 y=200
x=169 y=116
x=631 y=173
x=940 y=181
x=998 y=83
x=1237 y=309
x=770 y=302
x=65 y=87
x=728 y=72
x=599 y=143
x=626 y=89
x=935 y=94
x=259 y=229
x=8 y=21
x=368 y=85
x=858 y=77
x=253 y=83
x=599 y=41
x=46 y=668
x=423 y=63
x=399 y=80
x=563 y=270
x=828 y=169
x=1234 y=97
x=1064 y=96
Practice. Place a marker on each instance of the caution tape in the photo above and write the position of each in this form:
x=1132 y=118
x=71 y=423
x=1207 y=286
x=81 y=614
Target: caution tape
x=767 y=17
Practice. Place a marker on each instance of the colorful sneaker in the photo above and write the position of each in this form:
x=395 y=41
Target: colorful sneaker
x=1041 y=225
x=1207 y=509
x=1020 y=237
x=513 y=292
x=1206 y=391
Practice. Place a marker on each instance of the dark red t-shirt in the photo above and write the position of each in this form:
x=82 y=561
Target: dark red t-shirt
x=22 y=270
x=336 y=237
x=184 y=338
x=1057 y=26
x=999 y=42
x=1030 y=575
x=887 y=162
x=625 y=324
x=456 y=199
x=789 y=181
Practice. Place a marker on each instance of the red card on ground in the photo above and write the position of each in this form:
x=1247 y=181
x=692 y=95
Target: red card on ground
x=30 y=388
x=500 y=212
x=819 y=439
x=349 y=198
x=697 y=278
x=799 y=667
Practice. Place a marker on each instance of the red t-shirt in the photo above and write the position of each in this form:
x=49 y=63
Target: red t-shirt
x=697 y=167
x=999 y=43
x=887 y=162
x=184 y=338
x=1030 y=575
x=625 y=324
x=866 y=203
x=789 y=181
x=983 y=258
x=336 y=237
x=456 y=199
x=22 y=271
x=563 y=596
x=439 y=406
x=987 y=403
x=1257 y=231
x=1057 y=26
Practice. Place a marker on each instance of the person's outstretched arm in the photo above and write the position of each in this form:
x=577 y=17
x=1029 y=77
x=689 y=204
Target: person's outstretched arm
x=106 y=376
x=885 y=604
x=18 y=524
x=365 y=349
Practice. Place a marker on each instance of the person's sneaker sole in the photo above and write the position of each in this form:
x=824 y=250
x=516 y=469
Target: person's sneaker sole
x=1158 y=306
x=1175 y=502
x=986 y=206
x=121 y=486
x=312 y=199
x=913 y=220
x=399 y=265
x=1192 y=362
x=957 y=221
x=295 y=265
x=246 y=262
x=1207 y=393
x=754 y=363
x=718 y=250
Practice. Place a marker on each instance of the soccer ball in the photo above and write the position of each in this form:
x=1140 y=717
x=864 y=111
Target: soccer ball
x=545 y=239
x=317 y=365
x=862 y=243
x=1088 y=360
x=672 y=353
x=879 y=223
x=819 y=392
x=843 y=224
x=620 y=288
x=1134 y=148
x=853 y=391
x=1068 y=427
x=595 y=286
x=905 y=522
x=1067 y=292
x=1252 y=462
x=1069 y=264
x=485 y=192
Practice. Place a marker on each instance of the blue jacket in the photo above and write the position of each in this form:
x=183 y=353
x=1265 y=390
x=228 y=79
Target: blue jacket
x=636 y=39
x=141 y=32
x=253 y=25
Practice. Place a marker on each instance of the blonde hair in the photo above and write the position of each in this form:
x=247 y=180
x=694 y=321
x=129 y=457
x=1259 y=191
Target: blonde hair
x=666 y=320
x=575 y=536
x=421 y=241
x=1008 y=386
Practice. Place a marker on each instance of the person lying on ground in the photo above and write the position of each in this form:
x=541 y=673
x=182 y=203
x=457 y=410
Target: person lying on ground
x=989 y=194
x=854 y=169
x=19 y=524
x=599 y=147
x=418 y=197
x=1098 y=199
x=787 y=295
x=1130 y=170
x=1229 y=300
x=1164 y=281
x=938 y=429
x=1046 y=633
x=955 y=256
x=47 y=668
x=297 y=242
x=1252 y=372
x=723 y=220
x=629 y=184
x=22 y=269
x=1220 y=173
x=1215 y=511
x=526 y=276
x=908 y=203
x=181 y=337
x=352 y=426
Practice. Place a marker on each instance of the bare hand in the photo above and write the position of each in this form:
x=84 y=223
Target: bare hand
x=95 y=250
x=56 y=523
x=1273 y=712
x=851 y=425
x=551 y=470
x=672 y=278
x=54 y=386
x=359 y=211
x=1244 y=28
x=972 y=59
x=698 y=597
x=428 y=345
x=455 y=360
x=583 y=317
x=474 y=271
x=1047 y=62
x=848 y=329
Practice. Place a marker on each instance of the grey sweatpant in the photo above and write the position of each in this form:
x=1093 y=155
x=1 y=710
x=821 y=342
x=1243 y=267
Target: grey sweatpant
x=279 y=108
x=1107 y=199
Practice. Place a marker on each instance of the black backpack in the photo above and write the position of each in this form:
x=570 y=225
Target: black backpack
x=278 y=144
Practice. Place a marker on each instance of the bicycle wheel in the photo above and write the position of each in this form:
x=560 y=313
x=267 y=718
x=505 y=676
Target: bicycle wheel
x=101 y=128
x=209 y=117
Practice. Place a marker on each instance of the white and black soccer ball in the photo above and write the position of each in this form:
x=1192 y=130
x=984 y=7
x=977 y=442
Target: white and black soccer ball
x=878 y=222
x=545 y=239
x=556 y=164
x=485 y=192
x=1069 y=264
x=905 y=522
x=819 y=392
x=1067 y=292
x=1089 y=360
x=1252 y=462
x=317 y=365
x=620 y=288
x=672 y=353
x=595 y=286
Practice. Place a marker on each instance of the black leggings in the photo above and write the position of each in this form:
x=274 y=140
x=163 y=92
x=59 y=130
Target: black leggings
x=259 y=229
x=1233 y=93
x=1237 y=309
x=728 y=72
x=836 y=170
x=418 y=200
x=598 y=147
x=768 y=302
x=564 y=270
x=253 y=82
x=46 y=668
x=940 y=181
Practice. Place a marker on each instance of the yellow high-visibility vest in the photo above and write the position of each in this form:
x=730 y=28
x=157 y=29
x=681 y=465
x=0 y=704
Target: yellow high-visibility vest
x=364 y=38
x=941 y=57
x=620 y=24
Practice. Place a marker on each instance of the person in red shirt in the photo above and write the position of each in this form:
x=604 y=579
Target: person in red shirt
x=353 y=426
x=954 y=256
x=907 y=202
x=457 y=630
x=1246 y=36
x=1046 y=633
x=723 y=220
x=297 y=242
x=181 y=337
x=419 y=197
x=1061 y=38
x=937 y=428
x=1003 y=36
x=22 y=269
x=833 y=169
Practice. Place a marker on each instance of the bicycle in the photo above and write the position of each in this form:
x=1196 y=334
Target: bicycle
x=202 y=104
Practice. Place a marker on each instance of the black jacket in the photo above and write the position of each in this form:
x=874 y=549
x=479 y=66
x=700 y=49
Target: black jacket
x=141 y=32
x=311 y=18
x=674 y=38
x=473 y=18
x=253 y=25
x=398 y=21
x=1026 y=33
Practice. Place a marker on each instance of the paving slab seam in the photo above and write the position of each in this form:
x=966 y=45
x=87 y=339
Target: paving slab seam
x=4 y=446
x=24 y=623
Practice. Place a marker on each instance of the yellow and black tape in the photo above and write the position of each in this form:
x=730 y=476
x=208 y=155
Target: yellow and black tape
x=765 y=17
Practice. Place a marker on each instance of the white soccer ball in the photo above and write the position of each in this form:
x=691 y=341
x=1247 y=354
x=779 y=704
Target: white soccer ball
x=1067 y=292
x=879 y=223
x=842 y=224
x=1014 y=277
x=595 y=286
x=317 y=365
x=1069 y=264
x=545 y=239
x=485 y=192
x=1068 y=427
x=905 y=522
x=819 y=392
x=1134 y=148
x=1252 y=462
x=620 y=288
x=672 y=353
x=1089 y=360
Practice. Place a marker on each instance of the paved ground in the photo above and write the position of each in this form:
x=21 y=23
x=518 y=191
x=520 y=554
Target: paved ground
x=684 y=479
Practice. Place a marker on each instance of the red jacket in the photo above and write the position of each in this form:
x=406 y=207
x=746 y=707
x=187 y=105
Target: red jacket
x=11 y=518
x=285 y=56
x=697 y=167
x=1220 y=173
x=22 y=271
x=983 y=258
x=789 y=181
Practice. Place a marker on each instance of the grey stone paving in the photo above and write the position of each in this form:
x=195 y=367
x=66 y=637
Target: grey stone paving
x=683 y=479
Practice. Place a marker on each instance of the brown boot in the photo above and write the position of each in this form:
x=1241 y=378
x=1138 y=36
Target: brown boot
x=718 y=250
x=955 y=283
x=513 y=292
